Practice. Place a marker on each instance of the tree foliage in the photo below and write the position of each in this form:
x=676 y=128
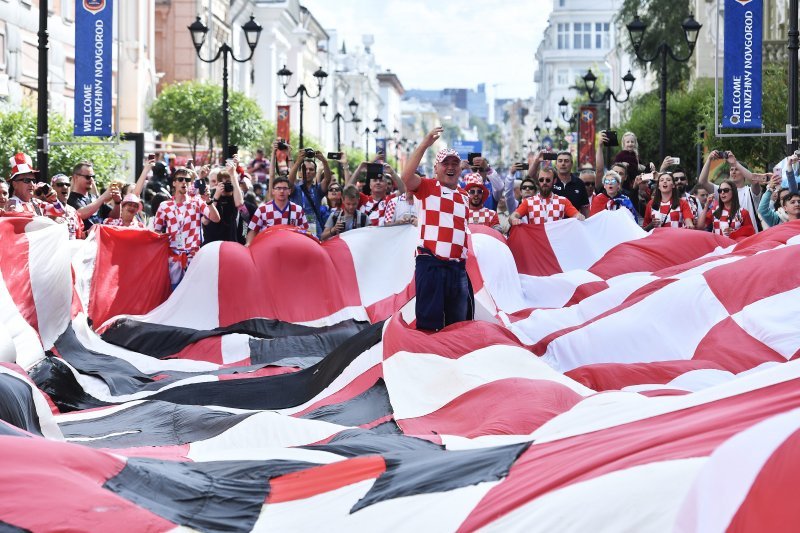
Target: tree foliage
x=18 y=134
x=663 y=19
x=192 y=110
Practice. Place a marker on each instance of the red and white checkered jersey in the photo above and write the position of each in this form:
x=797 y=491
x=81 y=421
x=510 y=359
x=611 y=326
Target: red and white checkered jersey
x=675 y=218
x=374 y=209
x=741 y=219
x=182 y=222
x=35 y=207
x=135 y=223
x=484 y=216
x=540 y=210
x=268 y=214
x=443 y=220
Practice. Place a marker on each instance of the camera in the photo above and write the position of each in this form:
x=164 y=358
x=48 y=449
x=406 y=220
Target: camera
x=233 y=150
x=374 y=171
x=228 y=187
x=200 y=186
x=336 y=156
x=611 y=135
x=471 y=157
x=550 y=156
x=723 y=155
x=309 y=153
x=523 y=166
x=44 y=190
x=282 y=144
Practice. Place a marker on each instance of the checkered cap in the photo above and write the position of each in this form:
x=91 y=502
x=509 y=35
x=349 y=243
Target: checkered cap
x=444 y=153
x=21 y=164
x=473 y=179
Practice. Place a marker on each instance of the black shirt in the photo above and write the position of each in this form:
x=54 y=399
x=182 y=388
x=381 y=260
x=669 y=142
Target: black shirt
x=79 y=201
x=227 y=227
x=574 y=191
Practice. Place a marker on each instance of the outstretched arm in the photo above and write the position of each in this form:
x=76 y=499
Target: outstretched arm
x=410 y=178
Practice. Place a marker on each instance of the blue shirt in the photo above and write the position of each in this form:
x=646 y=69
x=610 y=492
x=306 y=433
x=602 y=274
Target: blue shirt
x=312 y=208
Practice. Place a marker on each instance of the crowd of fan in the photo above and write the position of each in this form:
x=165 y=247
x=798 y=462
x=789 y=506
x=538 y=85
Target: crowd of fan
x=196 y=206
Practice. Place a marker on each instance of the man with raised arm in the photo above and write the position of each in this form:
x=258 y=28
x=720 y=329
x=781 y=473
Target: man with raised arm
x=444 y=294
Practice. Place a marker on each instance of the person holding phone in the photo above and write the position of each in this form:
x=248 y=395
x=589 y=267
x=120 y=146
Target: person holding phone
x=228 y=199
x=667 y=208
x=22 y=185
x=749 y=195
x=728 y=218
x=375 y=203
x=91 y=207
x=309 y=192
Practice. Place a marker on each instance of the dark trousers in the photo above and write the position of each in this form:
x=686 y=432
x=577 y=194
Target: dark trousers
x=444 y=293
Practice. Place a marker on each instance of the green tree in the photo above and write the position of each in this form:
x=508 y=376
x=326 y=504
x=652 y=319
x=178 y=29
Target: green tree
x=663 y=19
x=18 y=134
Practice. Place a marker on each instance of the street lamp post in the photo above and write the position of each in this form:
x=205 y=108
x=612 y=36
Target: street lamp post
x=284 y=75
x=590 y=81
x=338 y=119
x=636 y=29
x=252 y=32
x=41 y=116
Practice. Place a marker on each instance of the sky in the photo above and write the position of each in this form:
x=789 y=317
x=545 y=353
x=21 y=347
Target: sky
x=445 y=43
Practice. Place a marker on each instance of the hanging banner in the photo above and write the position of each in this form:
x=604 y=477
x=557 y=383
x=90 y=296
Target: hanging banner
x=94 y=37
x=282 y=129
x=741 y=106
x=587 y=128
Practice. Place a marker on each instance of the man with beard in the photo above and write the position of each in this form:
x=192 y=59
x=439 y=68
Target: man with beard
x=478 y=193
x=565 y=184
x=182 y=218
x=545 y=206
x=444 y=294
x=682 y=186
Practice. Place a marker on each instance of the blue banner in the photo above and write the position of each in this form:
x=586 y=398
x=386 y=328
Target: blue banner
x=465 y=147
x=94 y=36
x=741 y=107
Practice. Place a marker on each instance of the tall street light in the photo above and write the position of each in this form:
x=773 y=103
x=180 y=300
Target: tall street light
x=636 y=29
x=252 y=32
x=590 y=82
x=338 y=119
x=284 y=75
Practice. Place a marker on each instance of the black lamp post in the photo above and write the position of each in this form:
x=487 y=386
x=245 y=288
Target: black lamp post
x=252 y=32
x=590 y=81
x=284 y=75
x=547 y=124
x=536 y=131
x=367 y=131
x=636 y=29
x=338 y=119
x=43 y=94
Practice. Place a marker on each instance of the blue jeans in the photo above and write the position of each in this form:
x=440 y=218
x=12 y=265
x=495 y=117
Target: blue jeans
x=444 y=293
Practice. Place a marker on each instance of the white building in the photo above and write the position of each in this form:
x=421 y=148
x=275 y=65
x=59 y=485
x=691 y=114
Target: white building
x=580 y=35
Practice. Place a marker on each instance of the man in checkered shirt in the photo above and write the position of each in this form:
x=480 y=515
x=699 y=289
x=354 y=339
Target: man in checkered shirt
x=181 y=218
x=478 y=193
x=444 y=293
x=545 y=206
x=278 y=211
x=375 y=204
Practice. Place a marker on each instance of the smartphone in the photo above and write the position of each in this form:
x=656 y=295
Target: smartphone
x=151 y=157
x=336 y=156
x=471 y=157
x=232 y=150
x=611 y=135
x=550 y=156
x=190 y=163
x=200 y=186
x=523 y=166
x=374 y=171
x=676 y=160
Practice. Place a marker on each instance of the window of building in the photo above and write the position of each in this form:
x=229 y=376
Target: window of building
x=562 y=77
x=563 y=36
x=602 y=38
x=582 y=35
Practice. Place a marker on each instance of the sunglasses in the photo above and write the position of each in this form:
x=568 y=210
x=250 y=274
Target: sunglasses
x=61 y=185
x=87 y=176
x=183 y=178
x=681 y=178
x=587 y=185
x=725 y=190
x=608 y=181
x=527 y=188
x=26 y=181
x=545 y=180
x=335 y=190
x=475 y=192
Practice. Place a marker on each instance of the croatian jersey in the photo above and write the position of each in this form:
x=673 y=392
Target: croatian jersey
x=374 y=209
x=540 y=210
x=675 y=218
x=484 y=216
x=35 y=207
x=740 y=224
x=443 y=220
x=182 y=222
x=269 y=214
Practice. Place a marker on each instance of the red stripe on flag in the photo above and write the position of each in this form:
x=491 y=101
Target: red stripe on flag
x=314 y=481
x=14 y=259
x=532 y=251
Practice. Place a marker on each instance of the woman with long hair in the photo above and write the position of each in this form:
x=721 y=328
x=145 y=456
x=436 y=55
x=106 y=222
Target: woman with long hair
x=728 y=219
x=666 y=208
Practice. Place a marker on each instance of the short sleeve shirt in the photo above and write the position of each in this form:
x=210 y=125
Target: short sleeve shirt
x=182 y=222
x=574 y=191
x=79 y=201
x=269 y=214
x=540 y=210
x=443 y=220
x=310 y=199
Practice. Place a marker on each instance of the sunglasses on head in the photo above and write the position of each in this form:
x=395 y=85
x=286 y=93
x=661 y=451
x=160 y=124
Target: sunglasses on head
x=25 y=180
x=527 y=187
